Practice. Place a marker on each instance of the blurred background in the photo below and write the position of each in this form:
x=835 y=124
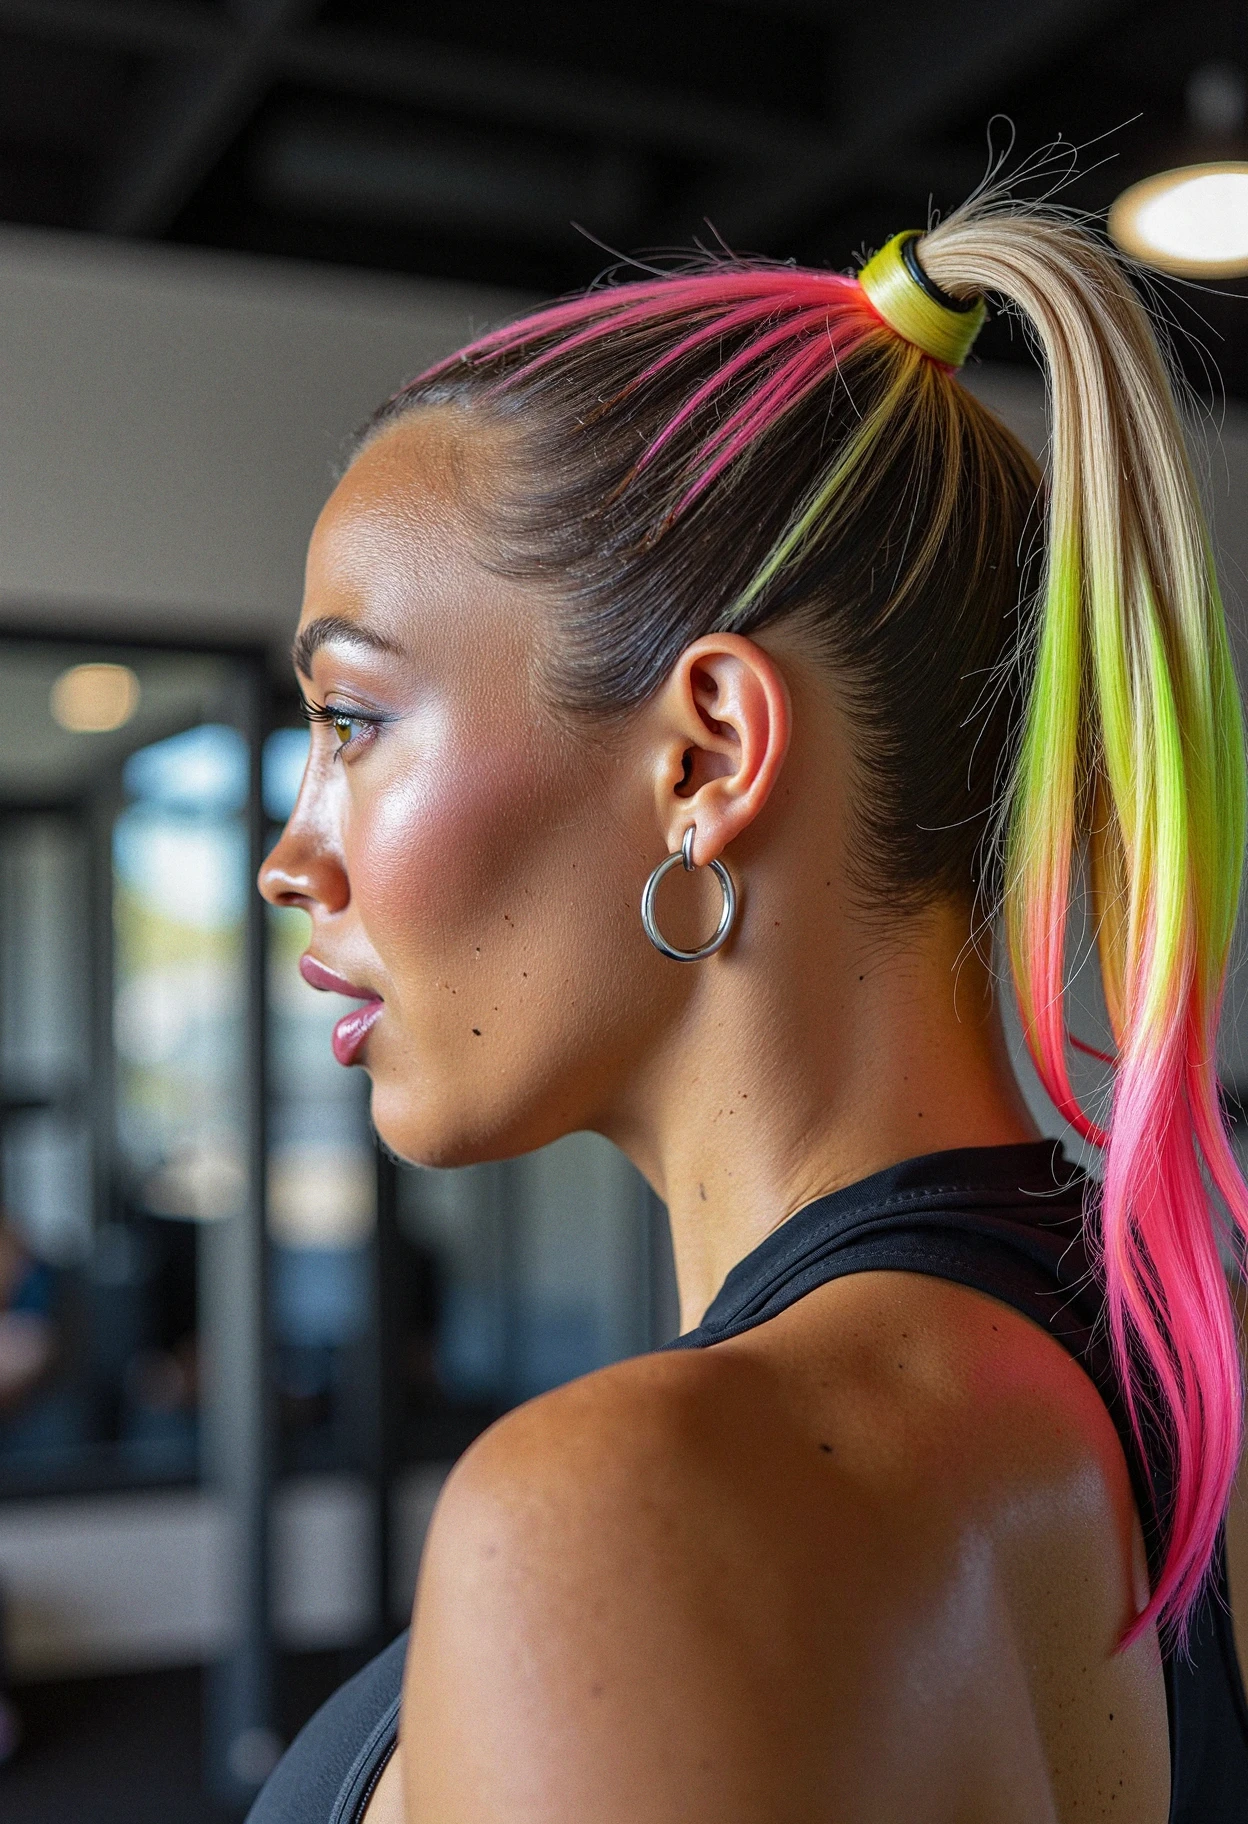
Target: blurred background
x=239 y=1349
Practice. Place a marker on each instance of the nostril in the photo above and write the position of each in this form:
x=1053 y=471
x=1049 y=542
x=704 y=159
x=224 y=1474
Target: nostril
x=324 y=893
x=285 y=893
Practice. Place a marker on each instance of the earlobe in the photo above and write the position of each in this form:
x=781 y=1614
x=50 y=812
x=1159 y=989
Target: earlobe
x=727 y=703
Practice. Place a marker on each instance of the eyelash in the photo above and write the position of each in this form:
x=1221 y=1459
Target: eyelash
x=336 y=718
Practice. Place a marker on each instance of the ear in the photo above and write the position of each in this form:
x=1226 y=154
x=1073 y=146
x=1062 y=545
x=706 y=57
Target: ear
x=723 y=722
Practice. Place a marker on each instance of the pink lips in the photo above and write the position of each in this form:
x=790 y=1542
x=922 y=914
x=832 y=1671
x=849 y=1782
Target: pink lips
x=354 y=1027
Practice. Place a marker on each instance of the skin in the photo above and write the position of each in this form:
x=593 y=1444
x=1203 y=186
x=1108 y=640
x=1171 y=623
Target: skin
x=869 y=1561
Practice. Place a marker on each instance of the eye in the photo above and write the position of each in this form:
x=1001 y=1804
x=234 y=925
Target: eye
x=351 y=729
x=349 y=725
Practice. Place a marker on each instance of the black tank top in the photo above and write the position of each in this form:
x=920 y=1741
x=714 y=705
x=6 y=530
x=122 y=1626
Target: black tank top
x=1007 y=1221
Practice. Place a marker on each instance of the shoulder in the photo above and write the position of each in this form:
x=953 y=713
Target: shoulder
x=654 y=1421
x=629 y=1478
x=651 y=1587
x=865 y=1391
x=807 y=1573
x=658 y=1464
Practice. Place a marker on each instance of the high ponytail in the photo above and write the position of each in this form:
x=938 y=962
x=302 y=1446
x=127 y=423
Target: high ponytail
x=1132 y=759
x=738 y=443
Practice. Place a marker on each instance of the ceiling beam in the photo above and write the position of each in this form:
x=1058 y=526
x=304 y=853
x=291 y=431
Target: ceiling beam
x=902 y=75
x=184 y=24
x=449 y=179
x=187 y=117
x=420 y=73
x=527 y=94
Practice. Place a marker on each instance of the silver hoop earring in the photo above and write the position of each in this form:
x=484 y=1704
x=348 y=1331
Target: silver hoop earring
x=727 y=918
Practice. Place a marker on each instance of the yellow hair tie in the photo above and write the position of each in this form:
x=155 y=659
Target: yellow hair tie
x=914 y=305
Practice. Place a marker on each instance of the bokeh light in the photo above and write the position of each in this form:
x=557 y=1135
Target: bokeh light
x=1192 y=222
x=94 y=699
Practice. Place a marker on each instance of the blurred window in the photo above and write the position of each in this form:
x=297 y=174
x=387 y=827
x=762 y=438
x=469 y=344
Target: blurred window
x=123 y=1003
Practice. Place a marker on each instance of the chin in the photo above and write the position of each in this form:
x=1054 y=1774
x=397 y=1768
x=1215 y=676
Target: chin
x=420 y=1133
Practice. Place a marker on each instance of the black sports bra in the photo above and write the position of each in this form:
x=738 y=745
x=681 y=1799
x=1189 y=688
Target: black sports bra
x=1007 y=1221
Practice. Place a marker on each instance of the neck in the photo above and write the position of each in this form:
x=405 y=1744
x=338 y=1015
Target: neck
x=809 y=1068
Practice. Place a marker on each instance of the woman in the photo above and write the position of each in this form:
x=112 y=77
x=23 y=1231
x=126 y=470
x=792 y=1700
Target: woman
x=726 y=569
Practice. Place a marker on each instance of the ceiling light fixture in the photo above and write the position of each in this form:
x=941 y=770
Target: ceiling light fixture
x=1192 y=222
x=93 y=699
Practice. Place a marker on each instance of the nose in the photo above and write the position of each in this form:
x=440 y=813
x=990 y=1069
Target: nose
x=305 y=867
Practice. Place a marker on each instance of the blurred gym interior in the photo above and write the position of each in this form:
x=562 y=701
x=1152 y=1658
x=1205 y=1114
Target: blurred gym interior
x=239 y=1345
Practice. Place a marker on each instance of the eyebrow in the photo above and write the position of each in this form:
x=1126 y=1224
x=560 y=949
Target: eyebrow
x=335 y=628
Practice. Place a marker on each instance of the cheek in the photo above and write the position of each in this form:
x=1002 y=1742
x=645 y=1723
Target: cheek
x=456 y=853
x=498 y=893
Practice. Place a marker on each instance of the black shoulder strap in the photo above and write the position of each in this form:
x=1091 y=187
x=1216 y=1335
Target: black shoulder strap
x=329 y=1770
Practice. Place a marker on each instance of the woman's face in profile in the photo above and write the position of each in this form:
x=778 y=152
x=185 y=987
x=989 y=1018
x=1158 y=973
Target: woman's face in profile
x=466 y=853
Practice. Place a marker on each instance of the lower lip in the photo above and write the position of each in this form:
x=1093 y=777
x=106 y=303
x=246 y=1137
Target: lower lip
x=352 y=1030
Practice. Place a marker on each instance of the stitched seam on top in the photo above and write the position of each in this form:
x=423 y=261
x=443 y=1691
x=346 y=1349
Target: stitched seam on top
x=362 y=1766
x=373 y=1781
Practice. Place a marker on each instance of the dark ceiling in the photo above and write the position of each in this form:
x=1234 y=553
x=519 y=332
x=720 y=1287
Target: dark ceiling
x=464 y=140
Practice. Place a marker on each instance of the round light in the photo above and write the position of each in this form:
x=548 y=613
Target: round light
x=91 y=699
x=1192 y=222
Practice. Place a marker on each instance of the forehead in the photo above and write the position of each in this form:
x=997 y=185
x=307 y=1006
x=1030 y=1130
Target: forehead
x=416 y=473
x=400 y=508
x=397 y=550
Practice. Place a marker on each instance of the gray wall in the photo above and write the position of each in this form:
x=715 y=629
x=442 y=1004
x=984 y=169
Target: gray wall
x=170 y=421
